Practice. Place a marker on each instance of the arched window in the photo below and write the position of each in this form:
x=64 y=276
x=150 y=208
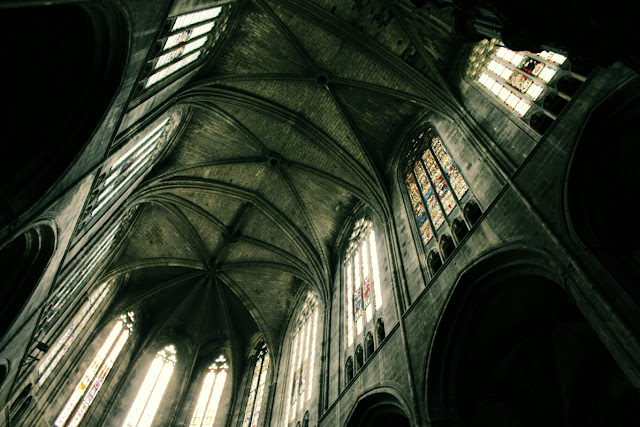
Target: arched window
x=256 y=390
x=348 y=367
x=150 y=394
x=369 y=346
x=434 y=182
x=359 y=358
x=303 y=352
x=75 y=278
x=210 y=394
x=362 y=279
x=64 y=342
x=380 y=330
x=96 y=373
x=517 y=79
x=137 y=159
x=446 y=246
x=187 y=40
x=20 y=404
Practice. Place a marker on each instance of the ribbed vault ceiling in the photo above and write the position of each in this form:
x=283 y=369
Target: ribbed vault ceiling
x=290 y=128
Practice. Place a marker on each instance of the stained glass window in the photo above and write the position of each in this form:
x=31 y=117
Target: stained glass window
x=256 y=389
x=362 y=273
x=131 y=165
x=188 y=39
x=301 y=367
x=210 y=394
x=95 y=375
x=73 y=329
x=150 y=394
x=74 y=280
x=430 y=165
x=515 y=78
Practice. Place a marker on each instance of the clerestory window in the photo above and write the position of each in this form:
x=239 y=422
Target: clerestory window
x=301 y=367
x=186 y=41
x=95 y=375
x=434 y=183
x=71 y=332
x=363 y=296
x=517 y=79
x=150 y=394
x=256 y=388
x=209 y=397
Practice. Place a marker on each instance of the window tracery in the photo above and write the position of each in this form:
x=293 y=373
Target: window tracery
x=187 y=41
x=73 y=329
x=301 y=369
x=150 y=394
x=362 y=279
x=517 y=79
x=210 y=394
x=434 y=183
x=95 y=375
x=75 y=279
x=256 y=389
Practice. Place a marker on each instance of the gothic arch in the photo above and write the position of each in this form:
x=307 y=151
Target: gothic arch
x=601 y=179
x=70 y=62
x=22 y=262
x=511 y=349
x=380 y=407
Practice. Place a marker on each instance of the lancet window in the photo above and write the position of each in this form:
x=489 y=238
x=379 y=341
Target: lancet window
x=130 y=166
x=434 y=183
x=150 y=394
x=75 y=279
x=363 y=296
x=95 y=375
x=187 y=41
x=209 y=398
x=256 y=388
x=301 y=367
x=517 y=79
x=73 y=329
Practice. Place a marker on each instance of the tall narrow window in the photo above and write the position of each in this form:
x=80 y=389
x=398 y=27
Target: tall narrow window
x=95 y=375
x=150 y=394
x=210 y=394
x=434 y=183
x=75 y=279
x=301 y=368
x=187 y=41
x=256 y=390
x=362 y=279
x=64 y=342
x=130 y=166
x=517 y=79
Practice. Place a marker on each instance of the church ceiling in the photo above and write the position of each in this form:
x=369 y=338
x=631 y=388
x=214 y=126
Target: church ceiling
x=291 y=124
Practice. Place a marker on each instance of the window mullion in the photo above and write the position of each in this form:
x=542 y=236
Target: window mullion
x=435 y=189
x=206 y=405
x=255 y=397
x=446 y=179
x=434 y=230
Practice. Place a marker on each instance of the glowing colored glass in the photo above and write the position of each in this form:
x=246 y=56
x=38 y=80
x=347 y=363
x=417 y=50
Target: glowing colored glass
x=429 y=196
x=450 y=169
x=193 y=18
x=95 y=375
x=77 y=277
x=504 y=69
x=59 y=349
x=418 y=209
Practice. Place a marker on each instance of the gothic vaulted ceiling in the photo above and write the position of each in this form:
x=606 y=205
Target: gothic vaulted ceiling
x=290 y=126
